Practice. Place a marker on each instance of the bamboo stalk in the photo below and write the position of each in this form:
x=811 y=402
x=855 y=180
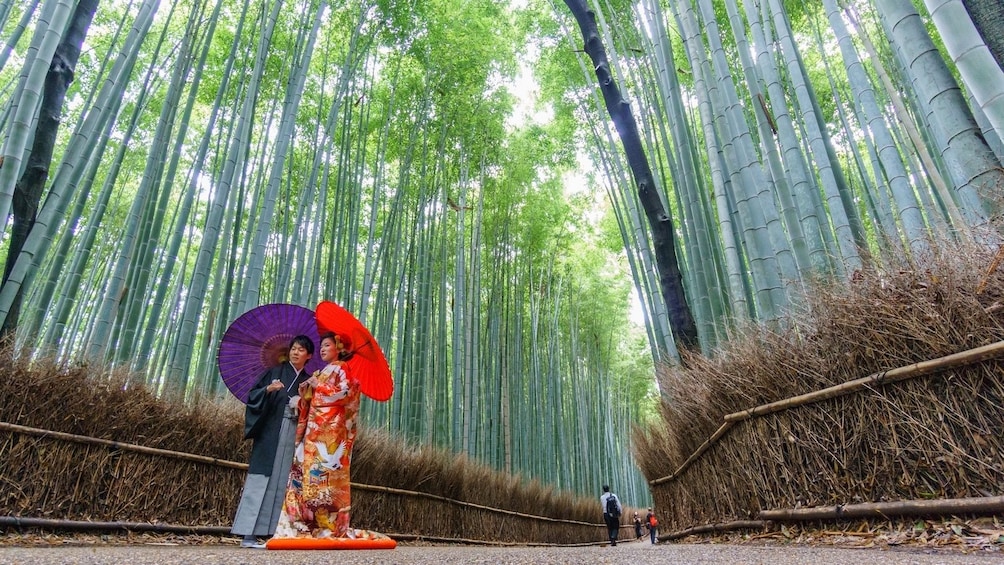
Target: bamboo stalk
x=693 y=456
x=984 y=506
x=922 y=368
x=121 y=446
x=709 y=528
x=27 y=522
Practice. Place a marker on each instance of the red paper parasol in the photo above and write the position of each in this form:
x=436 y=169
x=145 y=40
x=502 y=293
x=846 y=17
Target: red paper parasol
x=368 y=364
x=258 y=340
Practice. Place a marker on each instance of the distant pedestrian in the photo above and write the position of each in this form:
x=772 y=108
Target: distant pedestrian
x=637 y=526
x=653 y=524
x=611 y=513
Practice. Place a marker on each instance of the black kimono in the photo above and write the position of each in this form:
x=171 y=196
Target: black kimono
x=270 y=423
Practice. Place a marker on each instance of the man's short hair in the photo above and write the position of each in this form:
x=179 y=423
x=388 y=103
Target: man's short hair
x=304 y=342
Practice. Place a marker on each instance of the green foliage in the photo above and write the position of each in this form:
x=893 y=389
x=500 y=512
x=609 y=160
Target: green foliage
x=437 y=179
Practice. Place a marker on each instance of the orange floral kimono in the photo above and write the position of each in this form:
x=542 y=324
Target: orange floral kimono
x=317 y=496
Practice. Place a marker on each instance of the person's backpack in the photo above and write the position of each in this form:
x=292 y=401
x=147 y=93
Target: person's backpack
x=612 y=506
x=652 y=521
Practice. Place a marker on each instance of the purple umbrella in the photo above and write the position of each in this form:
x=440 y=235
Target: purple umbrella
x=259 y=340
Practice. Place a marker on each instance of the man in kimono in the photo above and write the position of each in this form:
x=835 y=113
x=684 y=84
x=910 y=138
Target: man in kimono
x=270 y=422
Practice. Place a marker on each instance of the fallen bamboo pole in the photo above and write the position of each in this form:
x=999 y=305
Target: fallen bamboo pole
x=391 y=490
x=83 y=525
x=712 y=528
x=976 y=506
x=25 y=522
x=466 y=541
x=983 y=506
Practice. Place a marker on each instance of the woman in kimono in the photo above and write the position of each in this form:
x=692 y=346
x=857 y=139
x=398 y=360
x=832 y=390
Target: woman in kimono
x=317 y=501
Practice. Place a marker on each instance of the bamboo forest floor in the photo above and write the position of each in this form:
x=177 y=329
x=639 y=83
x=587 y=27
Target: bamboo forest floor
x=971 y=537
x=814 y=547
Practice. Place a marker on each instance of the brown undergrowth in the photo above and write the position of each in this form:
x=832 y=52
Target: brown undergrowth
x=43 y=477
x=931 y=437
x=966 y=536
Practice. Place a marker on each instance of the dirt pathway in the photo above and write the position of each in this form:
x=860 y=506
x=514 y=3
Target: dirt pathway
x=624 y=553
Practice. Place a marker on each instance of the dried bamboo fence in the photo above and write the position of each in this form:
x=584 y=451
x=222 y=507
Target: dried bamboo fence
x=64 y=465
x=919 y=440
x=105 y=466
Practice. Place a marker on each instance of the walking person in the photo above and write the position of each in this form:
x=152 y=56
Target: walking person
x=270 y=422
x=637 y=526
x=653 y=524
x=611 y=513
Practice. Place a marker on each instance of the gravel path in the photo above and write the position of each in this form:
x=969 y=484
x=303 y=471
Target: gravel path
x=625 y=553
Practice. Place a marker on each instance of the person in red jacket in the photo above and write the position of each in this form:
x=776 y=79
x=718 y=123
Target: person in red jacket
x=653 y=524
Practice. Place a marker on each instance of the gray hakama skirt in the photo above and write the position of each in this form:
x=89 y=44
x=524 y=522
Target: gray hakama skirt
x=262 y=497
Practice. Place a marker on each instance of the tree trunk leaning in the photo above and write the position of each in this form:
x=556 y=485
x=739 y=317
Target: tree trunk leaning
x=660 y=222
x=28 y=190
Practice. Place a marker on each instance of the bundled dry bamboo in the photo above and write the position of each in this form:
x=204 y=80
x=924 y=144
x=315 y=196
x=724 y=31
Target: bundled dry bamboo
x=117 y=454
x=787 y=431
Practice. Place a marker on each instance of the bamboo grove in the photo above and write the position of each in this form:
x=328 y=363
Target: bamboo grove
x=448 y=172
x=797 y=143
x=213 y=156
